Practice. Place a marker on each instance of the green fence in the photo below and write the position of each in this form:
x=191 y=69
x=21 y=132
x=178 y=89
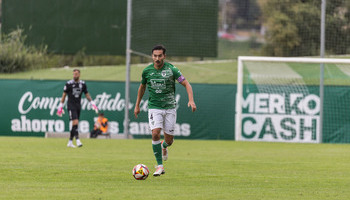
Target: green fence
x=188 y=28
x=68 y=26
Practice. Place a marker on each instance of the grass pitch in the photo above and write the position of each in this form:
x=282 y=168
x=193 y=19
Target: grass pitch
x=205 y=72
x=38 y=168
x=196 y=72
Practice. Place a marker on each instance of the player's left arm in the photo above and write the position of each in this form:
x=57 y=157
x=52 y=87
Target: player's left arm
x=93 y=105
x=182 y=80
x=189 y=90
x=87 y=95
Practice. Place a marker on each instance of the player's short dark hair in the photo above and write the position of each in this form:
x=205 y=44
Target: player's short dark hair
x=76 y=70
x=101 y=114
x=159 y=47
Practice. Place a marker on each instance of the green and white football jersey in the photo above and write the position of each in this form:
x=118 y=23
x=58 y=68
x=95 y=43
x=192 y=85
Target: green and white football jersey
x=161 y=85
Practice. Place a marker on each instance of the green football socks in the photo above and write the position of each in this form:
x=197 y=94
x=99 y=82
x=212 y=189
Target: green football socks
x=157 y=150
x=164 y=145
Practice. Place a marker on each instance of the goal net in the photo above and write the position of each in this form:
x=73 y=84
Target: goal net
x=281 y=99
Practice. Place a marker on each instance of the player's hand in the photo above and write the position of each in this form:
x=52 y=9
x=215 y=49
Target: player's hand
x=192 y=105
x=60 y=110
x=93 y=106
x=136 y=111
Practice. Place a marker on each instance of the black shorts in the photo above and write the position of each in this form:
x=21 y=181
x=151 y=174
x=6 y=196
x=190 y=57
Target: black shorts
x=74 y=113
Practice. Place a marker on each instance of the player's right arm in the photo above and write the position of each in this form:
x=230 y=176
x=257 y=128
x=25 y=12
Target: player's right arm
x=66 y=89
x=140 y=93
x=60 y=110
x=63 y=97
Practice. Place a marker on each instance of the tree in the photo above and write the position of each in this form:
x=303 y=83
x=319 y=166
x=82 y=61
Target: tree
x=293 y=27
x=247 y=14
x=241 y=14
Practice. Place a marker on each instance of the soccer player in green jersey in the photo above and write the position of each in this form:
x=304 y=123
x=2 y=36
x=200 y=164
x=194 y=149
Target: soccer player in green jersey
x=159 y=77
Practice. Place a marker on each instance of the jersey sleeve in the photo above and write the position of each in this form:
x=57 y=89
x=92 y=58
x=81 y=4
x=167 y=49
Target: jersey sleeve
x=66 y=88
x=143 y=78
x=85 y=89
x=177 y=74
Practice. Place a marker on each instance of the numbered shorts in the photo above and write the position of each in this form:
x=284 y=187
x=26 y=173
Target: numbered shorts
x=74 y=114
x=162 y=118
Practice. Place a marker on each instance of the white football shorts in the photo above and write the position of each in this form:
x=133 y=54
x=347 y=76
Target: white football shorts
x=162 y=118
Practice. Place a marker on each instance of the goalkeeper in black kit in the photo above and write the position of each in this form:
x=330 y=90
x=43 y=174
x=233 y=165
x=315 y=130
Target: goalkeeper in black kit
x=74 y=89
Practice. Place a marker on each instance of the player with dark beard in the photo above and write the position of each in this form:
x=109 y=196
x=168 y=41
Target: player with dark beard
x=74 y=89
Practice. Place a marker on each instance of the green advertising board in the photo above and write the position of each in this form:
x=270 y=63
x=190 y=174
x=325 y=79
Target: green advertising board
x=283 y=114
x=291 y=113
x=30 y=107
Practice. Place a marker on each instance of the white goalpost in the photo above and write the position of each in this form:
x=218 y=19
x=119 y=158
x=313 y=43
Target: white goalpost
x=280 y=99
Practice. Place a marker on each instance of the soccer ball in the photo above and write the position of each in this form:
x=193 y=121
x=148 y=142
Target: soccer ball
x=140 y=172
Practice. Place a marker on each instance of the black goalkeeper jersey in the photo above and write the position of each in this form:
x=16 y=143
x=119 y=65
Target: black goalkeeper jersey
x=74 y=91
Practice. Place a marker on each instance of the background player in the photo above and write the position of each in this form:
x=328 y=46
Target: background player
x=159 y=77
x=74 y=88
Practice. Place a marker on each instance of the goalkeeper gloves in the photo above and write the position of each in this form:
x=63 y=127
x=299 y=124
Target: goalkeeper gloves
x=93 y=106
x=60 y=110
